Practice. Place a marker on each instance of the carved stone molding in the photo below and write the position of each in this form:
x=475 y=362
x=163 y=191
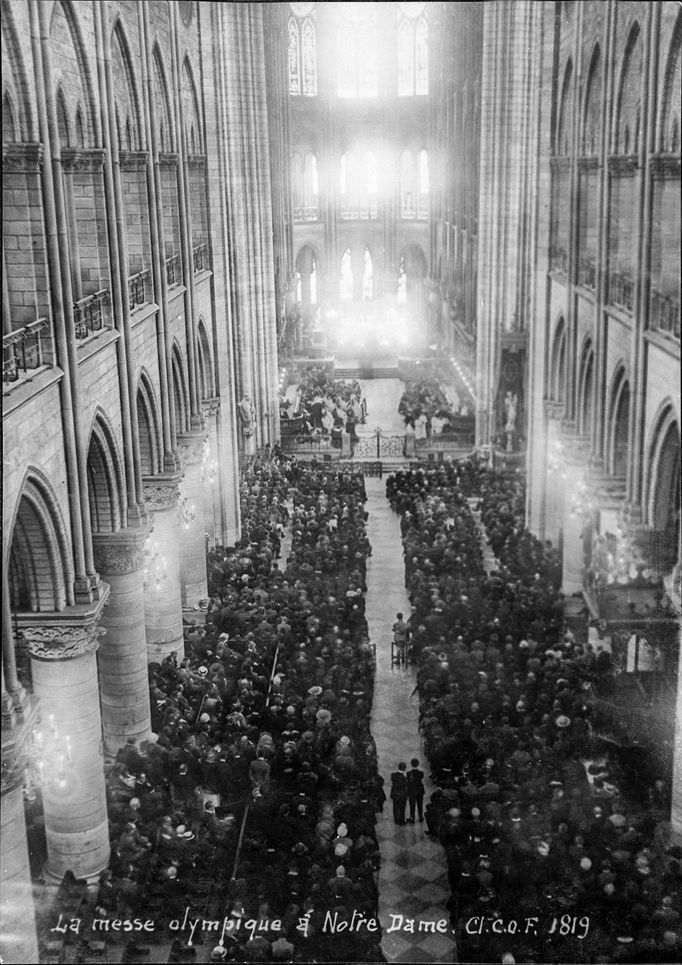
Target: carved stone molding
x=163 y=494
x=196 y=160
x=75 y=160
x=24 y=158
x=665 y=165
x=169 y=159
x=210 y=406
x=120 y=552
x=133 y=160
x=623 y=164
x=61 y=641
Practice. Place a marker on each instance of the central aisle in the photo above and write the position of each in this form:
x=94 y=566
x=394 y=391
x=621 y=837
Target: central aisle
x=413 y=879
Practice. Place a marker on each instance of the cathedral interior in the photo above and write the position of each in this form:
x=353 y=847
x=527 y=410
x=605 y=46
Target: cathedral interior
x=341 y=482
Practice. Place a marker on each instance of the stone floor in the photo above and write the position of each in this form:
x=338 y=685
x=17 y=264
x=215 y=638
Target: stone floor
x=383 y=396
x=413 y=876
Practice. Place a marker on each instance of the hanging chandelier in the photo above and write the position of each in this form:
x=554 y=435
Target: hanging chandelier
x=209 y=466
x=50 y=764
x=155 y=572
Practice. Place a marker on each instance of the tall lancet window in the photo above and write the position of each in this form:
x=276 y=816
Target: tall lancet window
x=413 y=50
x=367 y=278
x=302 y=55
x=346 y=283
x=357 y=46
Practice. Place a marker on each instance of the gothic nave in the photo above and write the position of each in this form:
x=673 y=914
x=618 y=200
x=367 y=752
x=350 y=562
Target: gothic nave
x=341 y=482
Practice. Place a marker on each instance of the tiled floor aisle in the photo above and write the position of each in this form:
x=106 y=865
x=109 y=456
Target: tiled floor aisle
x=413 y=878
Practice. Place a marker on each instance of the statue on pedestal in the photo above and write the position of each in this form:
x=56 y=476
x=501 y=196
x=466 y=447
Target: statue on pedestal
x=247 y=414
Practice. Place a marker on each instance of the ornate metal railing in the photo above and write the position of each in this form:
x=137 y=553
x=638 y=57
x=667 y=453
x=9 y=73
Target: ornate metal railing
x=621 y=291
x=173 y=270
x=309 y=212
x=88 y=314
x=22 y=350
x=200 y=257
x=137 y=289
x=665 y=313
x=558 y=259
x=367 y=212
x=587 y=273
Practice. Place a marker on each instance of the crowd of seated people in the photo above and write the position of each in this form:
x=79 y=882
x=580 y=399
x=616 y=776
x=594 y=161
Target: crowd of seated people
x=426 y=409
x=326 y=407
x=263 y=732
x=544 y=824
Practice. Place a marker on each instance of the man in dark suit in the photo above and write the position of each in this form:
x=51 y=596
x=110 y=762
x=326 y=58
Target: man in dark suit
x=399 y=793
x=415 y=790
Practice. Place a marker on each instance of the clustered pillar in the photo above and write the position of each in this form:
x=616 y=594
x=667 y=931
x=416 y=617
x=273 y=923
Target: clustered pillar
x=122 y=656
x=64 y=671
x=192 y=530
x=163 y=600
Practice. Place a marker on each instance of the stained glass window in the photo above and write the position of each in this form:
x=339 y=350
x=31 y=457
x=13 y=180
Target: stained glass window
x=405 y=59
x=413 y=52
x=302 y=57
x=309 y=58
x=421 y=80
x=294 y=72
x=357 y=48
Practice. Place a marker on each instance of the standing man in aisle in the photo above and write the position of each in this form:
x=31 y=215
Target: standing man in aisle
x=415 y=790
x=399 y=793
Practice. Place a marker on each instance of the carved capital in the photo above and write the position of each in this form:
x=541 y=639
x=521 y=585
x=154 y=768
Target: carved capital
x=133 y=160
x=169 y=159
x=624 y=165
x=61 y=641
x=120 y=552
x=196 y=161
x=76 y=161
x=161 y=493
x=210 y=406
x=191 y=446
x=665 y=165
x=25 y=158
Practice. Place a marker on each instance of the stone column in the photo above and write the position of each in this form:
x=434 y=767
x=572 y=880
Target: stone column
x=673 y=591
x=163 y=604
x=19 y=943
x=192 y=533
x=122 y=656
x=64 y=672
x=209 y=408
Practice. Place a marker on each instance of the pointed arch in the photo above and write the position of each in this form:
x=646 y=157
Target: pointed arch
x=618 y=422
x=10 y=128
x=149 y=427
x=191 y=105
x=180 y=393
x=40 y=561
x=405 y=58
x=63 y=126
x=205 y=362
x=586 y=387
x=421 y=57
x=15 y=80
x=557 y=372
x=106 y=481
x=293 y=58
x=309 y=57
x=562 y=146
x=591 y=126
x=163 y=111
x=669 y=128
x=627 y=101
x=72 y=56
x=661 y=497
x=125 y=85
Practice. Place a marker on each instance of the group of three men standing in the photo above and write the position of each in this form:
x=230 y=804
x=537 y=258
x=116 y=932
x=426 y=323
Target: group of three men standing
x=407 y=786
